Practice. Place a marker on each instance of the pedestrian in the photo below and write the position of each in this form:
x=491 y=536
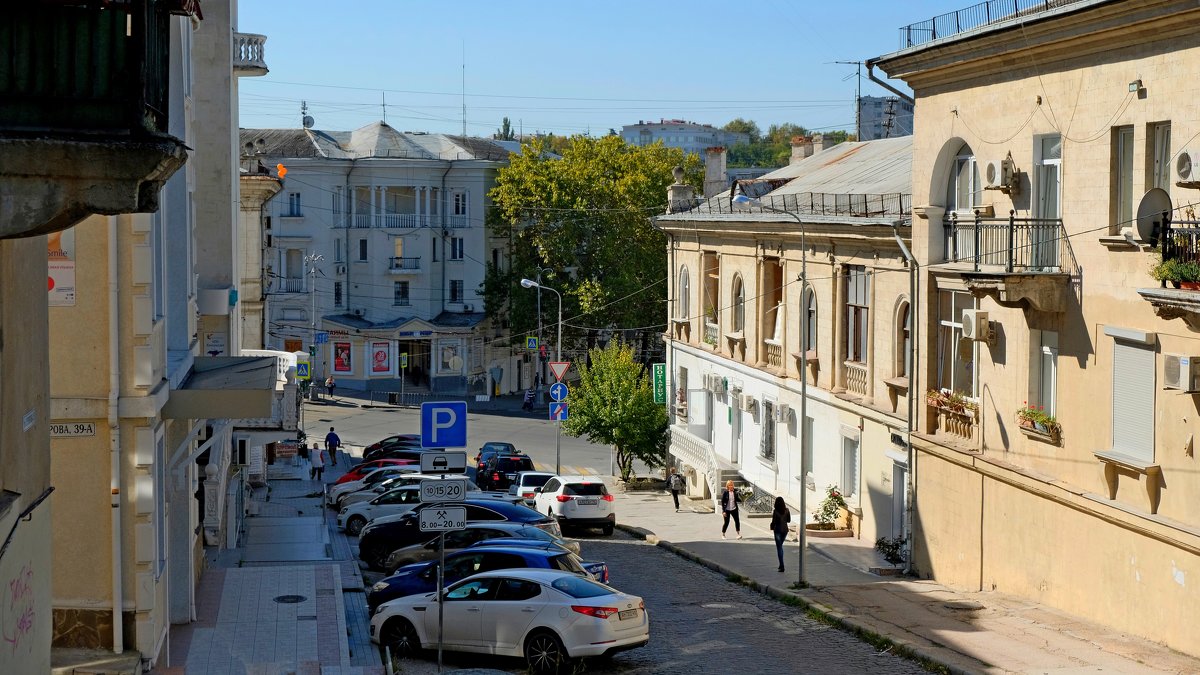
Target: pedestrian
x=729 y=508
x=318 y=463
x=304 y=457
x=332 y=443
x=329 y=385
x=780 y=518
x=675 y=485
x=528 y=404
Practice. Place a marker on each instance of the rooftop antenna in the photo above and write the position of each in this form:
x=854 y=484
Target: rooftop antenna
x=384 y=95
x=305 y=119
x=857 y=98
x=889 y=117
x=464 y=87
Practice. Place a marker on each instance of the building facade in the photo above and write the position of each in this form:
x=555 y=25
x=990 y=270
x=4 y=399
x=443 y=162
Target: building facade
x=815 y=285
x=378 y=242
x=1055 y=458
x=689 y=136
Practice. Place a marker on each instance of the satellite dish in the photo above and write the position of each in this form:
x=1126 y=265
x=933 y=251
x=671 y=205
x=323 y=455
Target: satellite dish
x=1183 y=165
x=308 y=121
x=1149 y=215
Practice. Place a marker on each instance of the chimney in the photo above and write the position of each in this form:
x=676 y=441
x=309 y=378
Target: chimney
x=822 y=142
x=802 y=146
x=715 y=178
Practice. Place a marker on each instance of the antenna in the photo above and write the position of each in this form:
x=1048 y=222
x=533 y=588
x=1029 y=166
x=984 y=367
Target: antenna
x=384 y=95
x=464 y=87
x=889 y=117
x=305 y=120
x=857 y=98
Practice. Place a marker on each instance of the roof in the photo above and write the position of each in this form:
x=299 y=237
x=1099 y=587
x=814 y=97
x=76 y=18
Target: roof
x=458 y=319
x=375 y=140
x=355 y=321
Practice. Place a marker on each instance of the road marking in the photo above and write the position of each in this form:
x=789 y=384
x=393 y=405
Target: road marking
x=568 y=470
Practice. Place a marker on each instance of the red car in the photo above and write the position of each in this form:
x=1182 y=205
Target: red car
x=367 y=467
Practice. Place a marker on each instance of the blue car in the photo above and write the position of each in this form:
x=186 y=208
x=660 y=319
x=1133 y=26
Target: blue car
x=422 y=577
x=598 y=570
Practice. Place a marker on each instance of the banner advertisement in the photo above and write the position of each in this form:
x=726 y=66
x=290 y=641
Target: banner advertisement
x=60 y=249
x=381 y=358
x=342 y=359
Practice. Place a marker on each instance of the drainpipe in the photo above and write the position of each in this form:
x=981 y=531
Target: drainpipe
x=114 y=436
x=909 y=485
x=442 y=234
x=885 y=85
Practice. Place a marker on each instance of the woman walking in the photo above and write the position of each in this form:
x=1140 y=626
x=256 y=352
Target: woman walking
x=780 y=518
x=729 y=507
x=318 y=463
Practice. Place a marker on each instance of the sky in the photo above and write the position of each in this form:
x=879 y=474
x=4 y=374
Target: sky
x=567 y=66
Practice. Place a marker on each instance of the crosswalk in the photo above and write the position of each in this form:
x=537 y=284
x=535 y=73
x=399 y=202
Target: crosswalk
x=567 y=470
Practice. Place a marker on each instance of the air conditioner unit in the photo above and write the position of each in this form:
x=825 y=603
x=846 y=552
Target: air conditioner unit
x=1183 y=166
x=720 y=385
x=1181 y=372
x=341 y=269
x=358 y=312
x=1000 y=174
x=783 y=411
x=975 y=325
x=749 y=404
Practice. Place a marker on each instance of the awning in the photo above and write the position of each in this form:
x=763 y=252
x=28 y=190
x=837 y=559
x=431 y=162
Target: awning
x=225 y=387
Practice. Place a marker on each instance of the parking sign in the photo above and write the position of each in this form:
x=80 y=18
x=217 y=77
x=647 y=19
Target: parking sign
x=444 y=424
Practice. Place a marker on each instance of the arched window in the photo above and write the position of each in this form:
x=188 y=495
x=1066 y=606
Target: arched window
x=683 y=295
x=903 y=333
x=809 y=307
x=739 y=304
x=963 y=190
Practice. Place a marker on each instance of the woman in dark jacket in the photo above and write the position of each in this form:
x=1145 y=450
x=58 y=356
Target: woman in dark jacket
x=729 y=507
x=780 y=518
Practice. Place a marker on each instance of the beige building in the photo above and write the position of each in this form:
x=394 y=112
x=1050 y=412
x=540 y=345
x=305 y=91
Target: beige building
x=736 y=341
x=1040 y=142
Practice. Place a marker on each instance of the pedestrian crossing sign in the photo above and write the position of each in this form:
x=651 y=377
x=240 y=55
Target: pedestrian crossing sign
x=302 y=371
x=531 y=342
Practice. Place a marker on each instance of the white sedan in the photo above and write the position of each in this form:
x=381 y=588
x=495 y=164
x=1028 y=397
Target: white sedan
x=546 y=616
x=335 y=492
x=369 y=493
x=391 y=503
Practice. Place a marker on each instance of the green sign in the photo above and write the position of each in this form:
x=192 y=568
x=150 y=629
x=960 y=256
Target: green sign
x=660 y=383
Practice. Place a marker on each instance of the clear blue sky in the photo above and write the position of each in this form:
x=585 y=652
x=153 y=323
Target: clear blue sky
x=566 y=66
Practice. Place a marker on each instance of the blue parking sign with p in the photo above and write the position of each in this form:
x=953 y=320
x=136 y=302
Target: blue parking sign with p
x=444 y=424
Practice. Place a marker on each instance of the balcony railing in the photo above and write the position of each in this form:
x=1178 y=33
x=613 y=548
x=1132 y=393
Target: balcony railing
x=856 y=377
x=404 y=264
x=289 y=285
x=975 y=16
x=811 y=203
x=457 y=221
x=1181 y=241
x=248 y=53
x=1023 y=245
x=403 y=220
x=774 y=352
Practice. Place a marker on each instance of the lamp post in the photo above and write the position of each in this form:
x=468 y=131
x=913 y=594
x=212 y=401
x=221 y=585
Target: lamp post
x=541 y=366
x=744 y=201
x=310 y=262
x=530 y=283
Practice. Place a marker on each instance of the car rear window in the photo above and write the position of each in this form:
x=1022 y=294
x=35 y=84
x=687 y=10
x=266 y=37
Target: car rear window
x=578 y=587
x=514 y=464
x=585 y=489
x=535 y=480
x=567 y=562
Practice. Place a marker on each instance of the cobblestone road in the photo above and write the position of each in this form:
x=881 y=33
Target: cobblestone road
x=701 y=623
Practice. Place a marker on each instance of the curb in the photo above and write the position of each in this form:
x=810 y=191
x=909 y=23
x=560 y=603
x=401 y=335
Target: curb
x=836 y=618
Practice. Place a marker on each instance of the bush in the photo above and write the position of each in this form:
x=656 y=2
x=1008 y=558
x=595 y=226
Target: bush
x=830 y=508
x=891 y=548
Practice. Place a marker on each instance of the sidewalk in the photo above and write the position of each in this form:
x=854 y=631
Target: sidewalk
x=964 y=632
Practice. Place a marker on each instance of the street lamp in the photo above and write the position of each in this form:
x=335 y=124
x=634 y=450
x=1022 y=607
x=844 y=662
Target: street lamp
x=744 y=201
x=541 y=367
x=310 y=261
x=530 y=283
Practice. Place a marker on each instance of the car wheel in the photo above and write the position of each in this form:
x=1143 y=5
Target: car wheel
x=355 y=525
x=376 y=559
x=544 y=652
x=608 y=530
x=399 y=636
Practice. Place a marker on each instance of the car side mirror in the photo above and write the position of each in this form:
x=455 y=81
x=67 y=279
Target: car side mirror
x=537 y=490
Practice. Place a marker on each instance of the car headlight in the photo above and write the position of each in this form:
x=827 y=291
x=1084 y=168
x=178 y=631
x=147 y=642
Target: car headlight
x=379 y=586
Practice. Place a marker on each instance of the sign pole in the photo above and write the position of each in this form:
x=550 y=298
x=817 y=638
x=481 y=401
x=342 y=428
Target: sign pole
x=440 y=592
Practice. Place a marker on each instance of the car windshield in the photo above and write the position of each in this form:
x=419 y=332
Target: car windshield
x=497 y=447
x=578 y=587
x=585 y=489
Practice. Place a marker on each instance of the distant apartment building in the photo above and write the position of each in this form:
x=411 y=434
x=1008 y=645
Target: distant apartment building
x=687 y=136
x=884 y=117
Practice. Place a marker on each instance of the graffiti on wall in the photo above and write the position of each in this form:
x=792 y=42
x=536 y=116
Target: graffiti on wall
x=17 y=612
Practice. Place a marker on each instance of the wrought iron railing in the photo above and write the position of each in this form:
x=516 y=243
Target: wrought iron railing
x=856 y=377
x=398 y=264
x=812 y=203
x=711 y=330
x=1016 y=244
x=1181 y=240
x=975 y=16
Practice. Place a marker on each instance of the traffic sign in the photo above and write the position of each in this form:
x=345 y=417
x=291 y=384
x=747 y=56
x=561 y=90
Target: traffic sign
x=558 y=412
x=302 y=371
x=559 y=368
x=559 y=391
x=403 y=360
x=448 y=490
x=442 y=518
x=444 y=462
x=322 y=337
x=444 y=424
x=531 y=342
x=660 y=383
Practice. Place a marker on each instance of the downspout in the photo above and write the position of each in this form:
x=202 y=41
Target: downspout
x=909 y=484
x=349 y=216
x=114 y=437
x=885 y=85
x=442 y=235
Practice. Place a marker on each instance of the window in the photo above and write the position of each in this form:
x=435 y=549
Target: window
x=496 y=259
x=1123 y=175
x=293 y=205
x=1160 y=171
x=739 y=304
x=337 y=250
x=1047 y=172
x=362 y=250
x=336 y=198
x=711 y=265
x=517 y=590
x=810 y=310
x=456 y=248
x=1133 y=400
x=449 y=356
x=337 y=294
x=399 y=293
x=903 y=340
x=964 y=190
x=956 y=356
x=856 y=284
x=1043 y=370
x=293 y=264
x=460 y=204
x=849 y=468
x=456 y=290
x=683 y=295
x=766 y=446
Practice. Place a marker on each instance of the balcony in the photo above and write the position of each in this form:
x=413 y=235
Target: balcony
x=774 y=353
x=1020 y=262
x=1180 y=253
x=857 y=380
x=404 y=265
x=711 y=331
x=291 y=285
x=456 y=221
x=975 y=16
x=403 y=220
x=248 y=60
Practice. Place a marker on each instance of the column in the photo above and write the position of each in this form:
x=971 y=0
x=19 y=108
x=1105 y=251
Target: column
x=836 y=313
x=383 y=205
x=374 y=221
x=872 y=320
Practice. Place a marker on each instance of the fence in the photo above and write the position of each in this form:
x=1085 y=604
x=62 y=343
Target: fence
x=1016 y=244
x=975 y=16
x=813 y=203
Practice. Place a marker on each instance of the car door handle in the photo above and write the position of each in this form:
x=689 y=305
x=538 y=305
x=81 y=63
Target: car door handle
x=528 y=609
x=472 y=609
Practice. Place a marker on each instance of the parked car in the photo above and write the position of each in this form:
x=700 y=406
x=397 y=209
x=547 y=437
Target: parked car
x=366 y=467
x=387 y=451
x=490 y=448
x=473 y=534
x=367 y=494
x=526 y=482
x=598 y=570
x=577 y=501
x=500 y=471
x=546 y=616
x=383 y=535
x=335 y=493
x=393 y=439
x=422 y=577
x=352 y=518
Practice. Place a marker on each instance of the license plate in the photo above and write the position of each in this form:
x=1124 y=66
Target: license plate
x=627 y=614
x=588 y=502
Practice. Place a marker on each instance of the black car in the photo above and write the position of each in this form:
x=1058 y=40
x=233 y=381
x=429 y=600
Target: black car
x=383 y=535
x=382 y=451
x=491 y=449
x=393 y=440
x=501 y=470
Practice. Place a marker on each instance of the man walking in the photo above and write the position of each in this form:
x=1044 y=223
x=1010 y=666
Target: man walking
x=332 y=443
x=675 y=485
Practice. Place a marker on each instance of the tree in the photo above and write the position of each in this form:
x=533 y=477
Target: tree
x=584 y=218
x=741 y=126
x=613 y=404
x=505 y=132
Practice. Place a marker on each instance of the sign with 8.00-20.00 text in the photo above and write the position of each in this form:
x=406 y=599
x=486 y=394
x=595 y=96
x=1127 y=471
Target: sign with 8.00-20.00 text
x=72 y=429
x=442 y=518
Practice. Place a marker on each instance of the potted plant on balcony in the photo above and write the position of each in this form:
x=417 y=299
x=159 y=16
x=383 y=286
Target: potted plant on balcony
x=1035 y=418
x=1180 y=274
x=830 y=511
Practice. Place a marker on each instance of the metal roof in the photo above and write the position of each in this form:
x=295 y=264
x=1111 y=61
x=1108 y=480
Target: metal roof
x=375 y=140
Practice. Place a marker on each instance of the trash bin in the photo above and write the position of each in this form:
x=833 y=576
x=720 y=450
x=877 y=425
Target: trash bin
x=393 y=398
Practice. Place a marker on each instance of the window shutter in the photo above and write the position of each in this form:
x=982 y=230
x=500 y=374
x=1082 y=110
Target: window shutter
x=1133 y=400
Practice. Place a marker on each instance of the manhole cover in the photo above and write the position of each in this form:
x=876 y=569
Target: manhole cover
x=289 y=599
x=963 y=605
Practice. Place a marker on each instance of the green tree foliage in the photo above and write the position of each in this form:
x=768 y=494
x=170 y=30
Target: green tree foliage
x=613 y=403
x=741 y=126
x=505 y=132
x=584 y=219
x=773 y=148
